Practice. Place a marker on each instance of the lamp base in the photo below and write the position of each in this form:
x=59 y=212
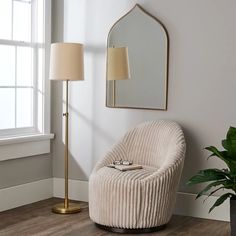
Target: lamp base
x=71 y=209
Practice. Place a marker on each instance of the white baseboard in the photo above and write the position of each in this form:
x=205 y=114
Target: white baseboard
x=25 y=194
x=78 y=190
x=187 y=205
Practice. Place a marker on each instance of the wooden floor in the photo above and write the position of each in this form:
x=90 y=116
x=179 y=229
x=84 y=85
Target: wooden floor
x=37 y=219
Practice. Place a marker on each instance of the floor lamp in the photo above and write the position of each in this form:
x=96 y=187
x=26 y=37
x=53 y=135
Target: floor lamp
x=66 y=63
x=117 y=67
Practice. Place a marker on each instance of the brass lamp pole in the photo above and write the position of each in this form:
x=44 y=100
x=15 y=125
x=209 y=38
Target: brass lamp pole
x=66 y=115
x=66 y=62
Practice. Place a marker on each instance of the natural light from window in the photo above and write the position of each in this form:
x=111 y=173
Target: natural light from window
x=22 y=66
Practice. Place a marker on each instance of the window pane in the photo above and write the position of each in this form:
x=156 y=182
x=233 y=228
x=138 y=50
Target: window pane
x=40 y=112
x=24 y=66
x=7 y=106
x=24 y=101
x=40 y=69
x=7 y=65
x=22 y=21
x=5 y=19
x=40 y=21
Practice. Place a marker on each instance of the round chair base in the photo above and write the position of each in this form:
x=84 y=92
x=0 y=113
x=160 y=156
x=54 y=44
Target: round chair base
x=130 y=231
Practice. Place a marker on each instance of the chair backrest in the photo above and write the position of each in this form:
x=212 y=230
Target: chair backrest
x=150 y=143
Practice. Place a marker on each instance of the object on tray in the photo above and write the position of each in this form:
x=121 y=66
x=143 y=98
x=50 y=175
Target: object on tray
x=121 y=162
x=125 y=167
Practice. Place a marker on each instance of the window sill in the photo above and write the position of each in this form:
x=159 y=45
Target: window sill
x=24 y=146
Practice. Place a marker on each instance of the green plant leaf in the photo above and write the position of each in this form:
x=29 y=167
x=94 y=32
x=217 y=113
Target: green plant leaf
x=211 y=193
x=207 y=175
x=214 y=171
x=224 y=144
x=220 y=200
x=216 y=152
x=223 y=155
x=231 y=134
x=219 y=179
x=230 y=143
x=209 y=186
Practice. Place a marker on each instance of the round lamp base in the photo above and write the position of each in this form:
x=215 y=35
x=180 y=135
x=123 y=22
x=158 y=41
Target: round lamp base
x=71 y=209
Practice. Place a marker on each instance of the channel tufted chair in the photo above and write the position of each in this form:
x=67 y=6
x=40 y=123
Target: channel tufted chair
x=141 y=200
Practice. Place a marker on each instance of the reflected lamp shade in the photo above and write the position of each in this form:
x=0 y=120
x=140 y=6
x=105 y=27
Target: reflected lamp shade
x=66 y=61
x=117 y=63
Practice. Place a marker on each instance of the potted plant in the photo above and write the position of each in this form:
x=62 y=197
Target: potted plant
x=221 y=178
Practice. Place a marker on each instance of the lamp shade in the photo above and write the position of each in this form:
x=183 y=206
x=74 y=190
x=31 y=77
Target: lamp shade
x=117 y=63
x=66 y=61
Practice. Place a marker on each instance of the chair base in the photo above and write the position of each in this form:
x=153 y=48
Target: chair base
x=130 y=231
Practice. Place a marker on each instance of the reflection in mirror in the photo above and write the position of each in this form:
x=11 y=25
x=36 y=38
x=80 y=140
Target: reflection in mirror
x=117 y=67
x=147 y=43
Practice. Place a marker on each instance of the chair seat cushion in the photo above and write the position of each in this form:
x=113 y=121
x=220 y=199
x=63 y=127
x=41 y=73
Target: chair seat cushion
x=130 y=175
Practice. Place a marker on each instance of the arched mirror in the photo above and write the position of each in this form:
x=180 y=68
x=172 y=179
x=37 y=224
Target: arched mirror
x=147 y=41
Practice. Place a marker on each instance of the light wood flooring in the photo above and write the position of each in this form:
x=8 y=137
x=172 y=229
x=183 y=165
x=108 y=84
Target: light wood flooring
x=37 y=220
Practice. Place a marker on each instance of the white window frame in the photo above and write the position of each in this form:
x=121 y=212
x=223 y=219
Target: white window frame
x=23 y=142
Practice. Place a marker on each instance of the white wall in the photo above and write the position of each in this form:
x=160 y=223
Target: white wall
x=202 y=80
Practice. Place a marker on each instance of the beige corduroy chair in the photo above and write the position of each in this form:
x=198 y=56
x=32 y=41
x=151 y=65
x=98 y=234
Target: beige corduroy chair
x=139 y=200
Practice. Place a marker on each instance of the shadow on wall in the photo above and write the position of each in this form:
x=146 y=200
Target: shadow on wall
x=84 y=141
x=95 y=128
x=83 y=108
x=81 y=128
x=87 y=137
x=103 y=134
x=58 y=143
x=193 y=156
x=92 y=137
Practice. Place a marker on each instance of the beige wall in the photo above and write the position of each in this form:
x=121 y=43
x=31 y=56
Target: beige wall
x=202 y=80
x=25 y=170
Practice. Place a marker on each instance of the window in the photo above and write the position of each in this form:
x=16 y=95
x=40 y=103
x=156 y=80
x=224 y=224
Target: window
x=22 y=70
x=24 y=45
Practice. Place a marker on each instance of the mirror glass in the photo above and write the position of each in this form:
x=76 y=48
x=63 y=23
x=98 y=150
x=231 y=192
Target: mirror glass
x=147 y=43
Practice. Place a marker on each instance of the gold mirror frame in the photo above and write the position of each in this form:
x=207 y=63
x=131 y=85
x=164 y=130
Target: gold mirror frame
x=167 y=62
